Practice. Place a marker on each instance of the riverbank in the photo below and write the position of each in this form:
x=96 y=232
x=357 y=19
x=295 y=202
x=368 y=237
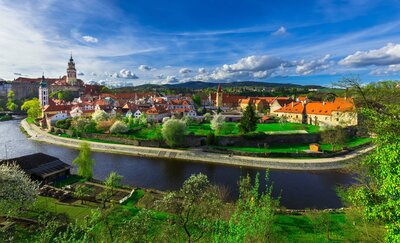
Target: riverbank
x=39 y=135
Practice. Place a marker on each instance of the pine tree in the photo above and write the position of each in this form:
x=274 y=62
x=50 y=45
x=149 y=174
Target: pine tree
x=248 y=123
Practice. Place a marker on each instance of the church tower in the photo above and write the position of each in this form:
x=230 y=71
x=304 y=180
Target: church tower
x=218 y=99
x=71 y=72
x=43 y=93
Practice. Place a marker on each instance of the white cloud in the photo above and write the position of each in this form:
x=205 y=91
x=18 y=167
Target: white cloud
x=145 y=68
x=280 y=31
x=80 y=73
x=90 y=39
x=160 y=76
x=202 y=70
x=305 y=68
x=171 y=80
x=126 y=74
x=254 y=63
x=185 y=71
x=93 y=74
x=261 y=74
x=391 y=69
x=387 y=55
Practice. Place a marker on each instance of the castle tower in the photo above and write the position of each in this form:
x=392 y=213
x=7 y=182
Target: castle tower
x=43 y=92
x=218 y=99
x=71 y=72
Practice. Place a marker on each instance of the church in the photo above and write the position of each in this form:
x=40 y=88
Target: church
x=28 y=87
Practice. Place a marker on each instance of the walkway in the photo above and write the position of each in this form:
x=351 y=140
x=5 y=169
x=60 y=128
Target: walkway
x=196 y=155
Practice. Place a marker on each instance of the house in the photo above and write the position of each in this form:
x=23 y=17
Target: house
x=156 y=114
x=278 y=103
x=292 y=112
x=41 y=166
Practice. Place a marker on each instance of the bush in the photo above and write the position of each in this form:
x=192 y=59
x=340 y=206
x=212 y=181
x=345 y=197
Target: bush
x=100 y=115
x=173 y=132
x=104 y=125
x=119 y=127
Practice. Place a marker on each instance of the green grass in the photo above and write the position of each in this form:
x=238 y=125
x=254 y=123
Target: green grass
x=74 y=211
x=30 y=120
x=72 y=179
x=131 y=202
x=205 y=128
x=284 y=148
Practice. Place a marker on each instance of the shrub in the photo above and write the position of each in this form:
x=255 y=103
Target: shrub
x=119 y=127
x=104 y=125
x=173 y=132
x=100 y=115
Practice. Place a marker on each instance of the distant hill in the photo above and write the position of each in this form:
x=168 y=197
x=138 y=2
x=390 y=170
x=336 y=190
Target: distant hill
x=203 y=85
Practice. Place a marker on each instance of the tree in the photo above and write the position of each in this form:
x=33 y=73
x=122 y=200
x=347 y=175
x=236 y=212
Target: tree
x=173 y=131
x=82 y=191
x=196 y=100
x=79 y=124
x=32 y=108
x=100 y=115
x=378 y=192
x=187 y=120
x=17 y=190
x=207 y=117
x=217 y=123
x=335 y=136
x=84 y=161
x=196 y=206
x=248 y=123
x=10 y=101
x=119 y=127
x=112 y=181
x=254 y=215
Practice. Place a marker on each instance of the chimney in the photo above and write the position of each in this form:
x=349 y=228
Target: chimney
x=292 y=104
x=323 y=103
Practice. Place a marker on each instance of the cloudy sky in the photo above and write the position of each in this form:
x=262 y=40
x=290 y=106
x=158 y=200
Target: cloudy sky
x=145 y=41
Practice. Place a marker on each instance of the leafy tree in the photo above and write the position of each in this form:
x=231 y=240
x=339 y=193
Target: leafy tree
x=254 y=216
x=104 y=125
x=196 y=100
x=321 y=221
x=196 y=206
x=84 y=161
x=142 y=119
x=207 y=117
x=112 y=181
x=187 y=120
x=32 y=108
x=248 y=123
x=100 y=115
x=119 y=127
x=173 y=131
x=79 y=124
x=335 y=136
x=217 y=123
x=10 y=101
x=83 y=191
x=378 y=192
x=16 y=189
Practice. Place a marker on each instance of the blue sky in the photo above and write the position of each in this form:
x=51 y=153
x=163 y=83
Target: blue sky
x=136 y=42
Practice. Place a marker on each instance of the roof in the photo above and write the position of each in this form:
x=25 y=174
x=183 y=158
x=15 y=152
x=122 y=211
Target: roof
x=293 y=107
x=39 y=164
x=63 y=82
x=219 y=89
x=54 y=107
x=156 y=110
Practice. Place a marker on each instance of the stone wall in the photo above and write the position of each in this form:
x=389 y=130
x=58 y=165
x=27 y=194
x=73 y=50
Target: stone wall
x=264 y=139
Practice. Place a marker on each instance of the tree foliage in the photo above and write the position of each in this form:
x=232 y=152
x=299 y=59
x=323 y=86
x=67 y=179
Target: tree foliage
x=32 y=108
x=119 y=127
x=248 y=123
x=378 y=192
x=100 y=115
x=17 y=190
x=196 y=206
x=84 y=161
x=335 y=136
x=10 y=101
x=173 y=132
x=217 y=123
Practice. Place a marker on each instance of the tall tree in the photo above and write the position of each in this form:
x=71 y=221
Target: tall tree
x=248 y=123
x=84 y=161
x=173 y=132
x=112 y=181
x=335 y=136
x=196 y=206
x=32 y=108
x=10 y=101
x=16 y=189
x=378 y=192
x=217 y=123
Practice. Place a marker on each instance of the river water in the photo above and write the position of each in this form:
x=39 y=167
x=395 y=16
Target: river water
x=297 y=189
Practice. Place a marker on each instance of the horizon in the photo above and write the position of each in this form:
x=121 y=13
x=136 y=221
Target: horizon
x=313 y=43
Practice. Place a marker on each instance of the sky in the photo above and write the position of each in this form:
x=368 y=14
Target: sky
x=124 y=43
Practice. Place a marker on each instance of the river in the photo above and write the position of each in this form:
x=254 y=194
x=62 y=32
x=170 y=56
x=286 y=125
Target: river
x=297 y=189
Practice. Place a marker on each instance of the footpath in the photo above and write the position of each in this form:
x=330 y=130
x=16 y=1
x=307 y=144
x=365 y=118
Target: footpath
x=37 y=134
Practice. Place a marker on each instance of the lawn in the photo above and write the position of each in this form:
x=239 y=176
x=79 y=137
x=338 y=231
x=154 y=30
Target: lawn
x=285 y=148
x=203 y=129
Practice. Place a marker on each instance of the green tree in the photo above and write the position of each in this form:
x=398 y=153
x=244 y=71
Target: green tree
x=112 y=181
x=335 y=136
x=173 y=132
x=83 y=191
x=196 y=100
x=248 y=123
x=217 y=123
x=84 y=161
x=196 y=206
x=378 y=192
x=100 y=115
x=17 y=190
x=10 y=101
x=32 y=108
x=119 y=127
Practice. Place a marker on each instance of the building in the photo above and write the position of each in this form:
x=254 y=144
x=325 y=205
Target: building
x=5 y=88
x=29 y=87
x=222 y=100
x=340 y=112
x=43 y=93
x=41 y=166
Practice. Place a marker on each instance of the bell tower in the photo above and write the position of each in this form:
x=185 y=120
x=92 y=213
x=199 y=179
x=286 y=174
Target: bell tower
x=43 y=93
x=71 y=72
x=218 y=98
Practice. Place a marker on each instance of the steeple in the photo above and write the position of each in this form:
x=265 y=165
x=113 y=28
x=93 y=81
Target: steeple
x=71 y=72
x=43 y=92
x=43 y=82
x=219 y=90
x=218 y=97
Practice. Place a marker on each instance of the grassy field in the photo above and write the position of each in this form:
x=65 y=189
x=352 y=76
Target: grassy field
x=205 y=128
x=283 y=148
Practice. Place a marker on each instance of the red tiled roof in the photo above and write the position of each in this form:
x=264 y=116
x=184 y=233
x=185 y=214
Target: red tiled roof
x=293 y=107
